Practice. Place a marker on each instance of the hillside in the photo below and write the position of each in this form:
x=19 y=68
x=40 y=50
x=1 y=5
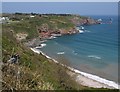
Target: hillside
x=44 y=25
x=34 y=71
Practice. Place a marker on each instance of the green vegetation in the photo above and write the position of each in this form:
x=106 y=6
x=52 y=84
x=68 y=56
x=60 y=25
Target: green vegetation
x=36 y=72
x=24 y=23
x=50 y=75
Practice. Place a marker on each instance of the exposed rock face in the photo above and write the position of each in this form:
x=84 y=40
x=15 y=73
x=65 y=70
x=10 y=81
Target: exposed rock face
x=77 y=21
x=69 y=31
x=83 y=21
x=43 y=28
x=21 y=36
x=45 y=32
x=90 y=21
x=33 y=43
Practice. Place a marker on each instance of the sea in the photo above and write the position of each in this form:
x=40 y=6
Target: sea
x=95 y=51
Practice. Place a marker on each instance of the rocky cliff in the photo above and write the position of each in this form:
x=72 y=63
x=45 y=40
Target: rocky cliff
x=45 y=25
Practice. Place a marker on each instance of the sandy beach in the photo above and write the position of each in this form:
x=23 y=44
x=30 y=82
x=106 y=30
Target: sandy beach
x=87 y=81
x=83 y=78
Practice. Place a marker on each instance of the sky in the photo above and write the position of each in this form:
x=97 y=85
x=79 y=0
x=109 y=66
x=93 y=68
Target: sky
x=82 y=8
x=60 y=0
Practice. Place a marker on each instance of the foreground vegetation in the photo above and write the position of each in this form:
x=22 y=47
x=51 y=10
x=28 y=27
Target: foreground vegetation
x=33 y=72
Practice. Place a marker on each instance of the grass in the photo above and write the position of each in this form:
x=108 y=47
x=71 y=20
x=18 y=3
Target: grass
x=50 y=75
x=28 y=25
x=36 y=71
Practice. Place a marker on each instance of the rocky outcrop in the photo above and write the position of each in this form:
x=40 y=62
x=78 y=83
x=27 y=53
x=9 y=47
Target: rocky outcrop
x=83 y=21
x=69 y=31
x=21 y=36
x=45 y=33
x=90 y=21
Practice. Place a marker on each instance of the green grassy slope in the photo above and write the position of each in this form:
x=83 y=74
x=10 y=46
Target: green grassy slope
x=50 y=75
x=35 y=71
x=23 y=23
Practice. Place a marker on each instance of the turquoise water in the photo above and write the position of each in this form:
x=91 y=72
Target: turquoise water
x=95 y=51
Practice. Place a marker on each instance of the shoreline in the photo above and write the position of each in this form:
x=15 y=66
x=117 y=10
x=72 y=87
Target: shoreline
x=83 y=78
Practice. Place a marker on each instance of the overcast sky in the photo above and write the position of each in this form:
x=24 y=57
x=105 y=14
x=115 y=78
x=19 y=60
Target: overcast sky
x=86 y=8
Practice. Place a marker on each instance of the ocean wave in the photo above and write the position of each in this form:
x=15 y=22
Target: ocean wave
x=90 y=76
x=60 y=53
x=94 y=56
x=81 y=31
x=52 y=37
x=75 y=53
x=41 y=46
x=87 y=31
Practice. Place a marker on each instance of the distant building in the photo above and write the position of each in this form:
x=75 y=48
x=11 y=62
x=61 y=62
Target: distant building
x=31 y=16
x=4 y=19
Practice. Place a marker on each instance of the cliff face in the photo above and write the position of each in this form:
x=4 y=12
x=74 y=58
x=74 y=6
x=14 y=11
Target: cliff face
x=45 y=32
x=83 y=21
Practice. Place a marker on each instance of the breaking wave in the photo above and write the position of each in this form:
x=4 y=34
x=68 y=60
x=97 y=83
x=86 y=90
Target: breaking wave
x=94 y=56
x=60 y=53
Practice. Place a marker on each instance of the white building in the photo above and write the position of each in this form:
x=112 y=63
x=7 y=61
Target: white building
x=31 y=16
x=3 y=19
